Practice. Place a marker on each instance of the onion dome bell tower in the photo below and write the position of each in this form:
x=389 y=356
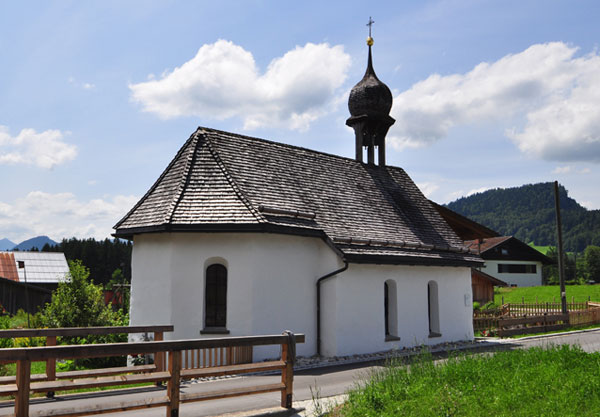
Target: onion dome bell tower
x=370 y=103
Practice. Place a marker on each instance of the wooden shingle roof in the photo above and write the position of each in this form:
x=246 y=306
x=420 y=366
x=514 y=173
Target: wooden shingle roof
x=221 y=181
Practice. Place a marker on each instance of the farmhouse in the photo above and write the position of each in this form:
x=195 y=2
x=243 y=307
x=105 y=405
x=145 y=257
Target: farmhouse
x=510 y=260
x=243 y=236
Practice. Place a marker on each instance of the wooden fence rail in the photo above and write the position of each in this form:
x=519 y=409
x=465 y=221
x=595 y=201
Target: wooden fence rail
x=519 y=309
x=511 y=326
x=579 y=314
x=173 y=376
x=51 y=337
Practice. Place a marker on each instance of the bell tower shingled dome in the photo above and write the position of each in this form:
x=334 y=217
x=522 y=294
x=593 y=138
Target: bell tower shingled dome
x=370 y=103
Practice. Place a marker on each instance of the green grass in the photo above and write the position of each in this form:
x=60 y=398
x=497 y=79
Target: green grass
x=542 y=249
x=556 y=381
x=546 y=293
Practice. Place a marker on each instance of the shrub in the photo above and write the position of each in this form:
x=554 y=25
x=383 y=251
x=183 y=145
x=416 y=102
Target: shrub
x=78 y=302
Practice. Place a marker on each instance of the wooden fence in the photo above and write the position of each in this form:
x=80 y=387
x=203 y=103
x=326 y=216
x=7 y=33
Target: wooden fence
x=52 y=334
x=520 y=317
x=585 y=317
x=536 y=309
x=24 y=384
x=511 y=326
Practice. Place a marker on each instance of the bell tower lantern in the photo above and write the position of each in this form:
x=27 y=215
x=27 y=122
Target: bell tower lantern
x=370 y=103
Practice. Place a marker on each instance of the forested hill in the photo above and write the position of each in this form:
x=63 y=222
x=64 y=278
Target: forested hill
x=527 y=212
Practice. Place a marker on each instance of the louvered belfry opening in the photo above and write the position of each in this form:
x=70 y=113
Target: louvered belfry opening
x=370 y=103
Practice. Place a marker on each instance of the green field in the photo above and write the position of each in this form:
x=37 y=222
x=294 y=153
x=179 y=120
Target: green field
x=543 y=249
x=546 y=294
x=557 y=381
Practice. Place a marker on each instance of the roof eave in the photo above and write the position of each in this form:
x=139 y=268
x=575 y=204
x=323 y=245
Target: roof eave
x=409 y=260
x=128 y=233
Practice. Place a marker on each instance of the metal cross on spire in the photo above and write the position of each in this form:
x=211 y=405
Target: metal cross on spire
x=371 y=21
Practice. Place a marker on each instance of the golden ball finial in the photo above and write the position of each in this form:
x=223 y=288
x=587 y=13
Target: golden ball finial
x=370 y=41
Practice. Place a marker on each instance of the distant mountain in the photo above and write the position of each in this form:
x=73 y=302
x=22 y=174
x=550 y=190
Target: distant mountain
x=6 y=244
x=35 y=242
x=527 y=212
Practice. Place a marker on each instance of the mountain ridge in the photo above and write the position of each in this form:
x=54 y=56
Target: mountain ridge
x=6 y=244
x=35 y=242
x=527 y=212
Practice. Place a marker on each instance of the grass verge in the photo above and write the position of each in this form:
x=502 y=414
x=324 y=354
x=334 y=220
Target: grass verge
x=554 y=381
x=546 y=294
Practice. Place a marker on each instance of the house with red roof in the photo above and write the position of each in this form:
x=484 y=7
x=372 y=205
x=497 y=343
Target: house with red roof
x=510 y=260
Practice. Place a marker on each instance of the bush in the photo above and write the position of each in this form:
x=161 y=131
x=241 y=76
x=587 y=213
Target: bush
x=490 y=305
x=77 y=302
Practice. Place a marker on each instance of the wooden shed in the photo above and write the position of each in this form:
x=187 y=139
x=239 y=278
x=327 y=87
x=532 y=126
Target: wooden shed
x=483 y=286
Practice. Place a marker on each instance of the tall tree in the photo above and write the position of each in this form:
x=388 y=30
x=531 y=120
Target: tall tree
x=592 y=263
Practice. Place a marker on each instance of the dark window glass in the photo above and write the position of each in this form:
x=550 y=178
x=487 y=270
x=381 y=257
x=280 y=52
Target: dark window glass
x=386 y=306
x=215 y=296
x=517 y=268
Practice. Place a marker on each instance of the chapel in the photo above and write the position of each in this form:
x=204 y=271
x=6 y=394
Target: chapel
x=242 y=236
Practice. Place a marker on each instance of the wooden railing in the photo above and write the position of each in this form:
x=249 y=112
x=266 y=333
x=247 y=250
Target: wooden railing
x=585 y=317
x=510 y=326
x=24 y=385
x=52 y=334
x=513 y=319
x=519 y=309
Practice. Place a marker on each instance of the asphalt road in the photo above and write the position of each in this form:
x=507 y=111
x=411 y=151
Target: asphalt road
x=323 y=382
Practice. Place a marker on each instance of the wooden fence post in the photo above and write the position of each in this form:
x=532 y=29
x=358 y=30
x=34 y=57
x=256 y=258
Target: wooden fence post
x=159 y=357
x=23 y=385
x=174 y=383
x=230 y=355
x=50 y=365
x=287 y=376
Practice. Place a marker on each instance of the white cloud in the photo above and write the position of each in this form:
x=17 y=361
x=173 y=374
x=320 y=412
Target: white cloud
x=62 y=215
x=45 y=149
x=557 y=93
x=568 y=169
x=428 y=188
x=590 y=205
x=562 y=170
x=477 y=191
x=84 y=85
x=223 y=81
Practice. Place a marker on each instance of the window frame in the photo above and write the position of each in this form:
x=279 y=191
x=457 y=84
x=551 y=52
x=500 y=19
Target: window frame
x=215 y=299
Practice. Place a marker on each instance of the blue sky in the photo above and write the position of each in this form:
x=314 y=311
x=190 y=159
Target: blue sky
x=96 y=97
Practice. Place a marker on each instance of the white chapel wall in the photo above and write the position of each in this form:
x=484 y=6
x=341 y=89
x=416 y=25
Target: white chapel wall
x=359 y=293
x=272 y=287
x=271 y=283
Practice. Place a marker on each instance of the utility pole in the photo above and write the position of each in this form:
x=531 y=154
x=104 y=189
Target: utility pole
x=22 y=266
x=561 y=263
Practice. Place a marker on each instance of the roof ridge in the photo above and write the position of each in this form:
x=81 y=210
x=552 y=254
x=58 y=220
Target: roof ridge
x=157 y=182
x=287 y=145
x=236 y=189
x=184 y=180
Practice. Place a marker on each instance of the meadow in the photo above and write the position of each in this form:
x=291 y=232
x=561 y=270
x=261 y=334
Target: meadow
x=554 y=381
x=546 y=294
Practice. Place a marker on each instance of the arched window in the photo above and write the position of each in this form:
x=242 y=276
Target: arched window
x=215 y=296
x=390 y=306
x=433 y=309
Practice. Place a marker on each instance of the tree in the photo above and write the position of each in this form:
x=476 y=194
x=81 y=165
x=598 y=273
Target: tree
x=77 y=302
x=592 y=263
